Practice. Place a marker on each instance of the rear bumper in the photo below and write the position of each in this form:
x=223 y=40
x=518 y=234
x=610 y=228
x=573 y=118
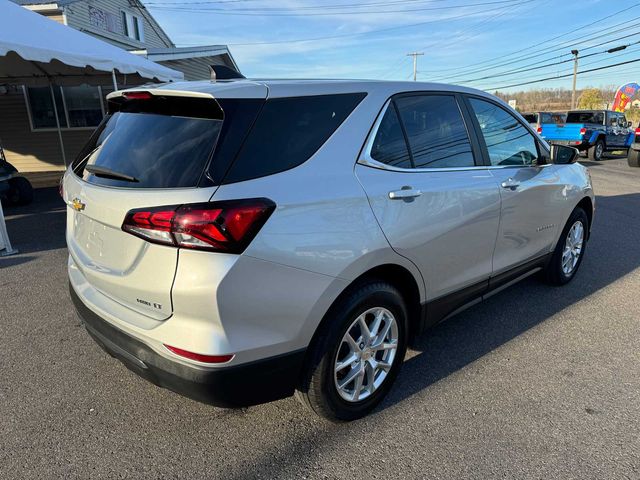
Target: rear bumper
x=235 y=386
x=580 y=145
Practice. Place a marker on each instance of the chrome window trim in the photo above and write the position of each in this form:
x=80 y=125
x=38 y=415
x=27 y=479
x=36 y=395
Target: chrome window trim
x=366 y=159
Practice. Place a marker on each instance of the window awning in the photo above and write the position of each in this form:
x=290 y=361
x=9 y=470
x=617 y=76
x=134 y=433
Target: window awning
x=35 y=49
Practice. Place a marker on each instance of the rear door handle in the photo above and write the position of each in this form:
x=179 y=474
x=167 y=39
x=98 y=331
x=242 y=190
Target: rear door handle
x=406 y=192
x=510 y=184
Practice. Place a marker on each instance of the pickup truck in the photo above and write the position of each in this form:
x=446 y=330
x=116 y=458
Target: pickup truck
x=591 y=131
x=537 y=119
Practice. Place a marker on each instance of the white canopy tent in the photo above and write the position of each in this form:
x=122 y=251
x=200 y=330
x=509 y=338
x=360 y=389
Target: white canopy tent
x=35 y=50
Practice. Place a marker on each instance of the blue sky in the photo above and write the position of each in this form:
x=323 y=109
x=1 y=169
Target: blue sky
x=462 y=40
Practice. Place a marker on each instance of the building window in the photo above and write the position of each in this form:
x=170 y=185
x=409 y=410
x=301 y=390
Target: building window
x=132 y=26
x=78 y=107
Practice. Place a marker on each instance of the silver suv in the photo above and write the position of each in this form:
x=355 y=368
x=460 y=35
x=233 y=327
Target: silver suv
x=240 y=241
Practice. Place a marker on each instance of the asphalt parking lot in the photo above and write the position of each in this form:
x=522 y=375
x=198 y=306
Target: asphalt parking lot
x=537 y=382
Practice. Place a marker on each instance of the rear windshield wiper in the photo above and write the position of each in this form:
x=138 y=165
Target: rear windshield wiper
x=108 y=173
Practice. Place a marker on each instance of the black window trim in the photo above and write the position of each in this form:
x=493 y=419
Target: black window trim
x=365 y=154
x=543 y=152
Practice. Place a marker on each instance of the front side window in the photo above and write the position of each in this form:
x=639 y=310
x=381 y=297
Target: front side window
x=508 y=141
x=389 y=146
x=436 y=131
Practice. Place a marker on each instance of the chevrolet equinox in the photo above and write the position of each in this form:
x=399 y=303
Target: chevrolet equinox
x=241 y=241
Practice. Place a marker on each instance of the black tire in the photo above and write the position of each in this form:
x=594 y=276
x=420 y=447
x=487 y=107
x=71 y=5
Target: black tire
x=633 y=158
x=554 y=272
x=597 y=151
x=20 y=191
x=317 y=389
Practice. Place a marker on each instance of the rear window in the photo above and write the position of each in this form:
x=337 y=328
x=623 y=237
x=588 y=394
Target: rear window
x=552 y=117
x=530 y=117
x=156 y=143
x=288 y=131
x=585 y=117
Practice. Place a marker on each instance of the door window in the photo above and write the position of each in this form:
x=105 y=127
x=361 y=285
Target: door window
x=435 y=131
x=389 y=146
x=508 y=141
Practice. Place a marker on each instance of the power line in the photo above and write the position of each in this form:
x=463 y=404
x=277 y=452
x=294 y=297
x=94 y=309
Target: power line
x=501 y=57
x=514 y=72
x=294 y=13
x=559 y=47
x=356 y=34
x=565 y=75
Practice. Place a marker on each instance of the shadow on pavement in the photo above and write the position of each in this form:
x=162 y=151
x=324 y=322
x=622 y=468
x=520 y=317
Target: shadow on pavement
x=37 y=227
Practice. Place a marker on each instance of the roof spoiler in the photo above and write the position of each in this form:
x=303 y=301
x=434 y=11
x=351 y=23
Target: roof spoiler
x=222 y=72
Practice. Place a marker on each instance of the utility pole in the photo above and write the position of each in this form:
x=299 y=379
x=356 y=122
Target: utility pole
x=415 y=62
x=575 y=76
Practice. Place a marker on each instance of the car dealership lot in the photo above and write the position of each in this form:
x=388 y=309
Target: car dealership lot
x=537 y=382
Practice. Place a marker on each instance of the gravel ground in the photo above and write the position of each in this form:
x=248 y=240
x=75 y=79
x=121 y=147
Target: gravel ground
x=537 y=382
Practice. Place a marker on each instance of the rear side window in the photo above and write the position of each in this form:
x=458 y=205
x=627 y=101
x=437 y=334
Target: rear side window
x=158 y=142
x=436 y=131
x=288 y=131
x=389 y=146
x=585 y=117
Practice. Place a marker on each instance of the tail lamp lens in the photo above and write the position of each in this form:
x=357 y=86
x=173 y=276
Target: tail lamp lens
x=637 y=132
x=539 y=129
x=583 y=131
x=227 y=226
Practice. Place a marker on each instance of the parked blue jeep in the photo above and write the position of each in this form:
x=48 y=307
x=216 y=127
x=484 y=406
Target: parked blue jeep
x=591 y=131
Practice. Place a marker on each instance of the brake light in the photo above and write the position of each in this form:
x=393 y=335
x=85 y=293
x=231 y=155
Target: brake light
x=227 y=226
x=583 y=131
x=137 y=95
x=198 y=356
x=637 y=132
x=539 y=129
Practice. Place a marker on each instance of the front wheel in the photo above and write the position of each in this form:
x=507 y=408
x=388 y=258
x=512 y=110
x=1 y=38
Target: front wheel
x=20 y=191
x=633 y=158
x=597 y=151
x=357 y=355
x=569 y=251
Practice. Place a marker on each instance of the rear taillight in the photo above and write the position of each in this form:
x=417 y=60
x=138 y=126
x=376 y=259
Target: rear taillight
x=539 y=129
x=227 y=226
x=583 y=131
x=637 y=132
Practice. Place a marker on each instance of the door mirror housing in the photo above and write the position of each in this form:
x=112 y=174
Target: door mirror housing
x=564 y=154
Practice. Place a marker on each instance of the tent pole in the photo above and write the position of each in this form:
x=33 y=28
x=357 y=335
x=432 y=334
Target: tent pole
x=55 y=112
x=115 y=79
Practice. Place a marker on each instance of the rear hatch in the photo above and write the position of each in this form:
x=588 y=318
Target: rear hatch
x=153 y=149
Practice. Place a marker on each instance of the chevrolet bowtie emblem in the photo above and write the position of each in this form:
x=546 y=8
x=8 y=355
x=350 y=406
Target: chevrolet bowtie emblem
x=77 y=205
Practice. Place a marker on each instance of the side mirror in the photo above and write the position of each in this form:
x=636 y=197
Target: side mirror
x=564 y=154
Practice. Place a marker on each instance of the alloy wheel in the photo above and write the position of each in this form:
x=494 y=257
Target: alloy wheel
x=366 y=354
x=572 y=248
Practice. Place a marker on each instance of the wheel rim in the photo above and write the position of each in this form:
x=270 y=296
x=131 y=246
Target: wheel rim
x=599 y=150
x=572 y=248
x=366 y=354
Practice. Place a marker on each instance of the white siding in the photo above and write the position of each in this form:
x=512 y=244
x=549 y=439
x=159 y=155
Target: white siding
x=195 y=68
x=78 y=17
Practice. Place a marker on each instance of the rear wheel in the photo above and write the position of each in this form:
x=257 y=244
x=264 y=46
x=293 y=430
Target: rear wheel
x=20 y=191
x=633 y=158
x=569 y=251
x=357 y=355
x=597 y=151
